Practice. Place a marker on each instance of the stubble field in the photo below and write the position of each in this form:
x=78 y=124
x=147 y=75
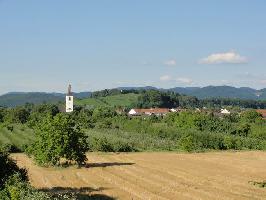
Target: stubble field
x=152 y=175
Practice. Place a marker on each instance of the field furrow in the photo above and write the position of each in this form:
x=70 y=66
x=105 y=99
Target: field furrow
x=217 y=175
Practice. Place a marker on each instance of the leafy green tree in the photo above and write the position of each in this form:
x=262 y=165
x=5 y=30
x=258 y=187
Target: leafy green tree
x=250 y=116
x=17 y=115
x=41 y=112
x=59 y=137
x=103 y=112
x=155 y=98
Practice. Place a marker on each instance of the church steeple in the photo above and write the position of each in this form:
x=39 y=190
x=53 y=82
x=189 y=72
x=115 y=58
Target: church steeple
x=69 y=93
x=69 y=100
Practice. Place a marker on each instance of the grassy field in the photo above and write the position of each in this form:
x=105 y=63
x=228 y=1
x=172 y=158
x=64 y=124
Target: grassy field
x=115 y=100
x=99 y=140
x=18 y=137
x=160 y=176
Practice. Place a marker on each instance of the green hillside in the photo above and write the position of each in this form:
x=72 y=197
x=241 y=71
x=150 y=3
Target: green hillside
x=18 y=137
x=122 y=100
x=17 y=99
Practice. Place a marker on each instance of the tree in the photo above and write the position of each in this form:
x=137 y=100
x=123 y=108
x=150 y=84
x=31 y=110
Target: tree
x=250 y=116
x=17 y=115
x=8 y=167
x=59 y=137
x=40 y=112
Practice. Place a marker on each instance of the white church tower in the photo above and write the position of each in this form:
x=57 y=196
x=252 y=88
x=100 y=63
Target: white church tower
x=69 y=100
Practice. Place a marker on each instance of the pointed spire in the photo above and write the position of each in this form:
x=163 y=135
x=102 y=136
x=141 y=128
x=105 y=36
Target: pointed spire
x=69 y=92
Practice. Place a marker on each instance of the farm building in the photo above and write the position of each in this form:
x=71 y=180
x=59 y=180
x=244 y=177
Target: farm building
x=149 y=111
x=225 y=111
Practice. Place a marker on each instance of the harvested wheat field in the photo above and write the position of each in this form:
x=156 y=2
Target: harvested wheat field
x=216 y=175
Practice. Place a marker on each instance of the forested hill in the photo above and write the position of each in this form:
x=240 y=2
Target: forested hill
x=244 y=93
x=212 y=92
x=20 y=98
x=222 y=91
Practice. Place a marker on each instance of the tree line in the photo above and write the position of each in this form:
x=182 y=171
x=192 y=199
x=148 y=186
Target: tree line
x=169 y=99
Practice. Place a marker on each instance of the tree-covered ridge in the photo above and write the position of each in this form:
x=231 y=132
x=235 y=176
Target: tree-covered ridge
x=222 y=92
x=162 y=99
x=210 y=92
x=20 y=98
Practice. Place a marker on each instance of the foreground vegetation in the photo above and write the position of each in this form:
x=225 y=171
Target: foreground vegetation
x=14 y=184
x=110 y=129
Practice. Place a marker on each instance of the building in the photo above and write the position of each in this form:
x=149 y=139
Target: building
x=69 y=100
x=225 y=112
x=262 y=112
x=149 y=111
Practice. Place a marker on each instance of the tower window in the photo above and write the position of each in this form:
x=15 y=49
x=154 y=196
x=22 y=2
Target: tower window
x=69 y=98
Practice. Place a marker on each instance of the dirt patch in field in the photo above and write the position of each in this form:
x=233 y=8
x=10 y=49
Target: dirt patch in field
x=219 y=175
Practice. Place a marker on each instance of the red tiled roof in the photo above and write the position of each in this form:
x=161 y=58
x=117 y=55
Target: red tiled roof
x=262 y=112
x=152 y=110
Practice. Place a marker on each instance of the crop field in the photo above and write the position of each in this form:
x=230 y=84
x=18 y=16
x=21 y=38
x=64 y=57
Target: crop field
x=158 y=175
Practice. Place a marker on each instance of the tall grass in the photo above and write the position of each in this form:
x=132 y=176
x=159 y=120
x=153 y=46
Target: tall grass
x=17 y=138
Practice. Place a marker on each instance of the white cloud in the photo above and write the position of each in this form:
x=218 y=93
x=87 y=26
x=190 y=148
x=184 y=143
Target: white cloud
x=263 y=81
x=171 y=62
x=165 y=78
x=230 y=57
x=184 y=80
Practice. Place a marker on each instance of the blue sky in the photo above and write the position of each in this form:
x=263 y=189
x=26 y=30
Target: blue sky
x=96 y=44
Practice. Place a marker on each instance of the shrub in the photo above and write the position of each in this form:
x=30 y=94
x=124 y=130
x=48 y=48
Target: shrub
x=100 y=144
x=123 y=146
x=10 y=148
x=189 y=143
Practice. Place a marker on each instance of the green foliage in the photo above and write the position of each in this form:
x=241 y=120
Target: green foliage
x=115 y=131
x=17 y=139
x=189 y=143
x=40 y=113
x=155 y=98
x=120 y=141
x=118 y=100
x=110 y=144
x=56 y=138
x=250 y=116
x=14 y=183
x=8 y=167
x=16 y=115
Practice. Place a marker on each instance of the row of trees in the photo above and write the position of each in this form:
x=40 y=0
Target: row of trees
x=157 y=98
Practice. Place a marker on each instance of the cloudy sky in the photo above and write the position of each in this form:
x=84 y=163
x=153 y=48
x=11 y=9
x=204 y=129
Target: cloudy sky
x=96 y=44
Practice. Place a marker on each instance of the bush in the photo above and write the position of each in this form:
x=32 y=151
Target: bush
x=123 y=146
x=100 y=144
x=10 y=148
x=189 y=143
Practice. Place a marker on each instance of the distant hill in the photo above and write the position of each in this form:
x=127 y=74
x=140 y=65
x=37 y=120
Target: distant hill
x=222 y=91
x=137 y=88
x=13 y=99
x=19 y=98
